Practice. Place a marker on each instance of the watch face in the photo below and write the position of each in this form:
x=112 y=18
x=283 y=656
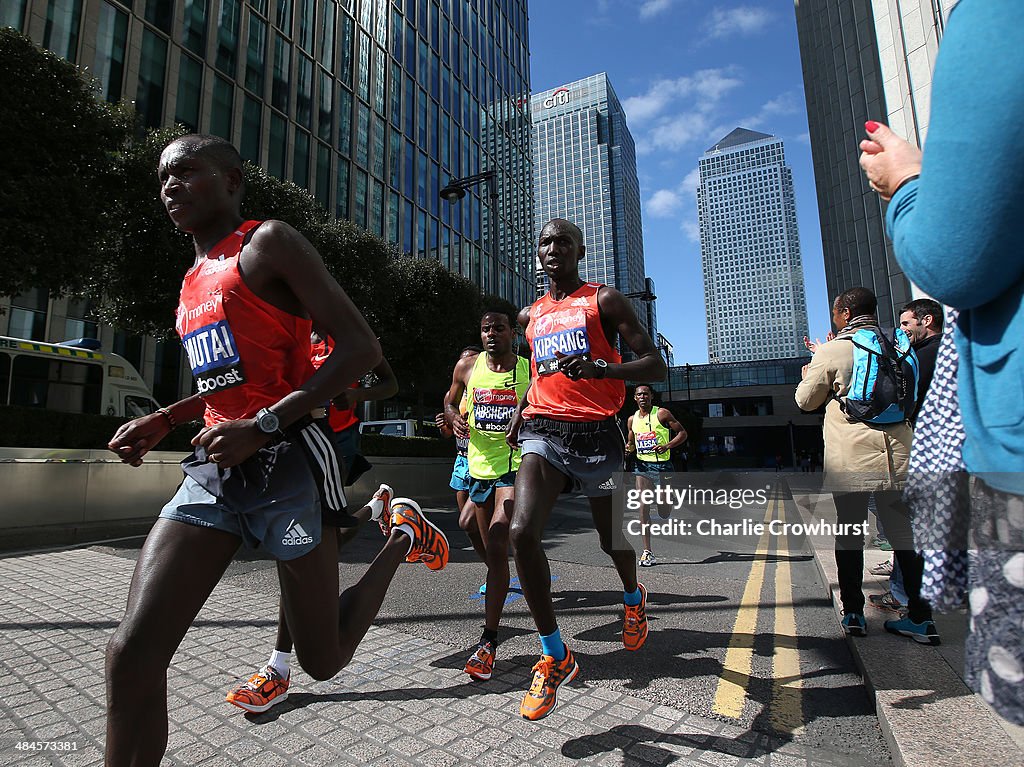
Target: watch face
x=268 y=422
x=601 y=363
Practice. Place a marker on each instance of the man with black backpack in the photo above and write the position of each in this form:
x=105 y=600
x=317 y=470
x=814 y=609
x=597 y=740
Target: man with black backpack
x=868 y=378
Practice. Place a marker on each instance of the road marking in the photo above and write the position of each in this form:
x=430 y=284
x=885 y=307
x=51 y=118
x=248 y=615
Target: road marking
x=786 y=707
x=736 y=668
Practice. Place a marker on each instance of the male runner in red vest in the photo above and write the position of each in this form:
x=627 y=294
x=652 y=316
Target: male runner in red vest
x=570 y=441
x=260 y=466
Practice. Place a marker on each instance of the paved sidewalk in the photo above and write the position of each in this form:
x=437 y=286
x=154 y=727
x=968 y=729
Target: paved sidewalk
x=403 y=701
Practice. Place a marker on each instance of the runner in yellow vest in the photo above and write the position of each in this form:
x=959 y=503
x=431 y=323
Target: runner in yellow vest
x=651 y=439
x=496 y=381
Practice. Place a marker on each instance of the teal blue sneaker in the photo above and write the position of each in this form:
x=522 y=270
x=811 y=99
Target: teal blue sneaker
x=922 y=633
x=854 y=624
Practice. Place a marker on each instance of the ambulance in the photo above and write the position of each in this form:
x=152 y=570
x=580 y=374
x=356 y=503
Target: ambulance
x=72 y=377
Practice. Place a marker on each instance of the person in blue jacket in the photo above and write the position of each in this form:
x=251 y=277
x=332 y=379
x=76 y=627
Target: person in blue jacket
x=955 y=217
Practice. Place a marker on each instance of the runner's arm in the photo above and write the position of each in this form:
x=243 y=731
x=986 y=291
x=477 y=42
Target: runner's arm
x=649 y=365
x=460 y=379
x=669 y=420
x=134 y=439
x=512 y=432
x=618 y=313
x=281 y=263
x=630 y=437
x=386 y=386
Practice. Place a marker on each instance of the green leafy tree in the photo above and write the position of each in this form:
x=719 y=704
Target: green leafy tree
x=144 y=255
x=431 y=315
x=59 y=148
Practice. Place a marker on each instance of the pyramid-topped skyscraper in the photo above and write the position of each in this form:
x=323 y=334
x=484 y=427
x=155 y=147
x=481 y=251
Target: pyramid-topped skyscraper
x=750 y=250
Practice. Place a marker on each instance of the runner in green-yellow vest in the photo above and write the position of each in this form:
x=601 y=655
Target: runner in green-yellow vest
x=651 y=439
x=496 y=381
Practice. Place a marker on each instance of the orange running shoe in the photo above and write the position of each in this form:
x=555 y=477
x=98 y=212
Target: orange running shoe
x=481 y=663
x=384 y=493
x=634 y=627
x=548 y=675
x=264 y=689
x=430 y=545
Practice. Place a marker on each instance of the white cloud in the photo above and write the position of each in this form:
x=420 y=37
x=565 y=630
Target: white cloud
x=664 y=203
x=671 y=134
x=744 y=20
x=692 y=229
x=691 y=182
x=766 y=118
x=705 y=87
x=650 y=8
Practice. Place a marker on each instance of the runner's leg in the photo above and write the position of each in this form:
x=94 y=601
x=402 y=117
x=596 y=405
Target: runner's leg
x=178 y=568
x=495 y=517
x=538 y=485
x=613 y=542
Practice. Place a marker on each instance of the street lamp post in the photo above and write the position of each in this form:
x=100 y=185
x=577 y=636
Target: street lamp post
x=456 y=190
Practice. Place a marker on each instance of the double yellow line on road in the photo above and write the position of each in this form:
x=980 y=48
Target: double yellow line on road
x=786 y=705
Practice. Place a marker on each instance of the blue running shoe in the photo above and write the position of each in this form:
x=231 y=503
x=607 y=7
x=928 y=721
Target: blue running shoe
x=922 y=633
x=854 y=624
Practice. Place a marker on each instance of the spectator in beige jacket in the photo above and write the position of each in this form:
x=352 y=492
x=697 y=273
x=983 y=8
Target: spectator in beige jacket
x=861 y=458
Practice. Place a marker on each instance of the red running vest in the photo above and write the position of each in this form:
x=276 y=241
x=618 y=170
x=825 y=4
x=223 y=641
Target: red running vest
x=245 y=354
x=339 y=419
x=570 y=326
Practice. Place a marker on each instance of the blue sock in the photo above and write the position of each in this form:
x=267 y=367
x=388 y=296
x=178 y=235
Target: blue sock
x=553 y=645
x=632 y=599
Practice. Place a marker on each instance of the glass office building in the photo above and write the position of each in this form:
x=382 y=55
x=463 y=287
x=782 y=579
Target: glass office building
x=585 y=171
x=750 y=250
x=864 y=60
x=371 y=105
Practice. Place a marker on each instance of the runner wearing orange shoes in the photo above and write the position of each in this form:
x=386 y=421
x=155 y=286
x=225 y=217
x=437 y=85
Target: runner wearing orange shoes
x=494 y=383
x=269 y=686
x=570 y=440
x=261 y=469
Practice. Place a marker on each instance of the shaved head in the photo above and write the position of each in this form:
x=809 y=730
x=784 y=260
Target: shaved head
x=562 y=225
x=220 y=151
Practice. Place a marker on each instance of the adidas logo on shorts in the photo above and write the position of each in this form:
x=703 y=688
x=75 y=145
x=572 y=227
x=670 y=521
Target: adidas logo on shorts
x=296 y=536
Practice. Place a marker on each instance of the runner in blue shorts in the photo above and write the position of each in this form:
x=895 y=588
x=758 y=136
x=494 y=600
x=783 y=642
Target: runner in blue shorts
x=492 y=384
x=261 y=470
x=651 y=439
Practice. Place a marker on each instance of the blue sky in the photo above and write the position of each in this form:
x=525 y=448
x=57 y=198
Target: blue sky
x=688 y=72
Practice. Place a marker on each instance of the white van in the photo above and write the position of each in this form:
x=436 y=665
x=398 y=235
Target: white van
x=394 y=428
x=72 y=377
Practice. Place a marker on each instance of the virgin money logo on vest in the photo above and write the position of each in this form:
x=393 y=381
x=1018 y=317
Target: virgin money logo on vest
x=213 y=357
x=565 y=318
x=495 y=397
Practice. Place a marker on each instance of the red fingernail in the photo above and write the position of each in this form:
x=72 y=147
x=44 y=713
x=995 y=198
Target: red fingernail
x=871 y=126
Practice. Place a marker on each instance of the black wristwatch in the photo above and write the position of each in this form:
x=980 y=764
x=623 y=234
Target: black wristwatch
x=268 y=423
x=600 y=368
